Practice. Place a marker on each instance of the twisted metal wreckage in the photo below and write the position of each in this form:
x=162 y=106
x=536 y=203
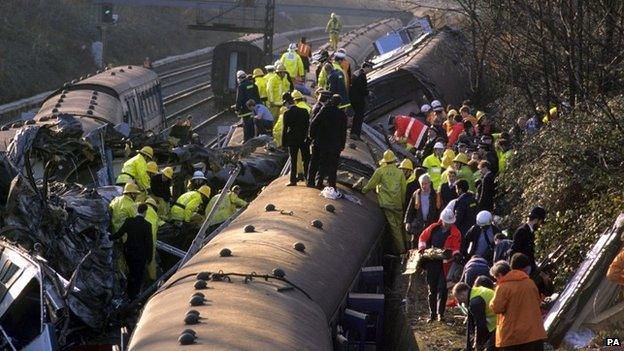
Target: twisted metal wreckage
x=55 y=185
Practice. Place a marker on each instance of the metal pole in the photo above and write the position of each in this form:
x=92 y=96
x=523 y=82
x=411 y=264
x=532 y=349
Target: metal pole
x=269 y=26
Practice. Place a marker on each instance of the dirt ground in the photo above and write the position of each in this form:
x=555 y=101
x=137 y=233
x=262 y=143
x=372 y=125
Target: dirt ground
x=447 y=336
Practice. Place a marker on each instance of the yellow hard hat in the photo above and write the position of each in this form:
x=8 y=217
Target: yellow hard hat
x=152 y=167
x=131 y=188
x=151 y=201
x=479 y=115
x=258 y=72
x=168 y=172
x=147 y=151
x=407 y=164
x=296 y=94
x=204 y=190
x=461 y=158
x=388 y=157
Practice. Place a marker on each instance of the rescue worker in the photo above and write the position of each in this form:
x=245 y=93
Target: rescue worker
x=334 y=27
x=147 y=63
x=274 y=90
x=480 y=331
x=287 y=84
x=479 y=240
x=293 y=63
x=300 y=101
x=322 y=78
x=486 y=187
x=411 y=181
x=152 y=168
x=524 y=237
x=247 y=90
x=137 y=248
x=433 y=164
x=322 y=60
x=358 y=92
x=336 y=84
x=516 y=302
x=161 y=189
x=305 y=52
x=189 y=206
x=151 y=215
x=423 y=208
x=389 y=184
x=261 y=84
x=135 y=169
x=328 y=133
x=197 y=181
x=465 y=207
x=295 y=135
x=228 y=206
x=340 y=57
x=124 y=206
x=442 y=235
x=262 y=117
x=503 y=151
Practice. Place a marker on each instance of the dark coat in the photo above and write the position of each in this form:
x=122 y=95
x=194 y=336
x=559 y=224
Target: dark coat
x=413 y=215
x=139 y=242
x=247 y=90
x=336 y=82
x=410 y=188
x=465 y=212
x=328 y=129
x=161 y=187
x=492 y=157
x=524 y=242
x=296 y=123
x=472 y=237
x=486 y=190
x=447 y=194
x=359 y=89
x=474 y=268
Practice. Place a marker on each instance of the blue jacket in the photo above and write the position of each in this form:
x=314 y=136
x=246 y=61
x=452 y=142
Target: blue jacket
x=336 y=82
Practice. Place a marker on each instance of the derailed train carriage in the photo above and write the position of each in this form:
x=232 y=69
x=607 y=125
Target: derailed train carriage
x=300 y=278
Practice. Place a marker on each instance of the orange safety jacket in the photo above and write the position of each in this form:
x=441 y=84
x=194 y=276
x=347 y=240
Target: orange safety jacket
x=304 y=50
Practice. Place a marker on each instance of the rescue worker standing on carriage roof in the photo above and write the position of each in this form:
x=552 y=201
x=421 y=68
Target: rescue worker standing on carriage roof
x=334 y=27
x=247 y=90
x=442 y=235
x=358 y=92
x=295 y=135
x=328 y=132
x=135 y=169
x=305 y=52
x=293 y=63
x=390 y=185
x=137 y=248
x=336 y=85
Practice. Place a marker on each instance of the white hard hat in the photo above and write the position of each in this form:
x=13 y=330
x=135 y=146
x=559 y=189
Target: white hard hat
x=437 y=105
x=425 y=108
x=447 y=216
x=340 y=55
x=292 y=47
x=342 y=50
x=241 y=74
x=198 y=175
x=438 y=145
x=484 y=218
x=269 y=68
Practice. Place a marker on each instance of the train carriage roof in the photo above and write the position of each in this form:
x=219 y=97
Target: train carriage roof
x=121 y=79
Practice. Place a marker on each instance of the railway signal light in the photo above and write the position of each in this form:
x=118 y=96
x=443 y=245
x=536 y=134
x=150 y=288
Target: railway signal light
x=107 y=13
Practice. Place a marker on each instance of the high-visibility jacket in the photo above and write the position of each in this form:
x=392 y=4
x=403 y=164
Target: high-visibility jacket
x=410 y=129
x=447 y=158
x=186 y=205
x=274 y=89
x=286 y=86
x=304 y=50
x=135 y=169
x=434 y=168
x=121 y=208
x=333 y=26
x=293 y=64
x=278 y=126
x=502 y=159
x=262 y=87
x=390 y=184
x=322 y=78
x=487 y=295
x=227 y=207
x=303 y=105
x=152 y=217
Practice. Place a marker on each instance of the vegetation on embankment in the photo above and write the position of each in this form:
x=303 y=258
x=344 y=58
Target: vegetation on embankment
x=45 y=43
x=529 y=56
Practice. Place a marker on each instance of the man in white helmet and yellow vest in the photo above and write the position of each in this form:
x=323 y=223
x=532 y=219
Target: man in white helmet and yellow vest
x=293 y=63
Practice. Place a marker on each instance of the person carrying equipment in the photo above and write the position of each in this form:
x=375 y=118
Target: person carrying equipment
x=135 y=169
x=389 y=184
x=334 y=27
